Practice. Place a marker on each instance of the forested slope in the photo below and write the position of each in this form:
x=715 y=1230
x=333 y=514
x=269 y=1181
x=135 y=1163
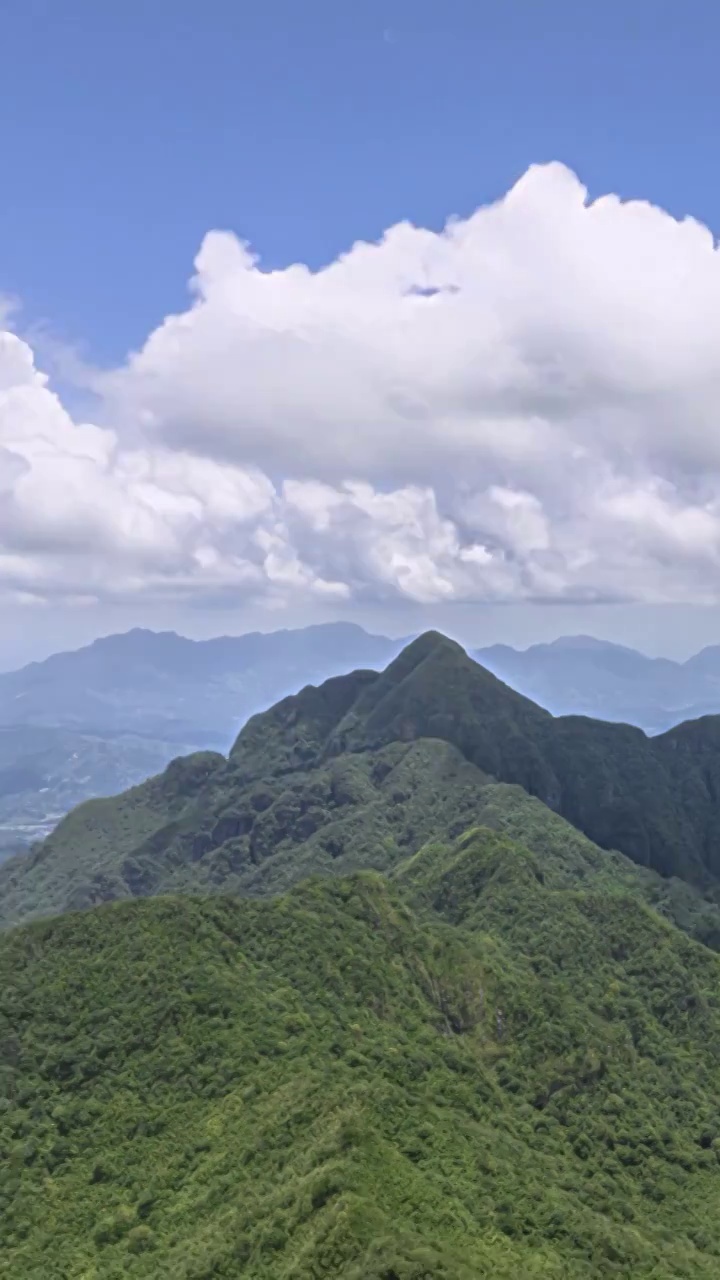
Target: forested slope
x=465 y=1071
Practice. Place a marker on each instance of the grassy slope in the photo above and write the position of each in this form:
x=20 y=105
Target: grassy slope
x=512 y=1078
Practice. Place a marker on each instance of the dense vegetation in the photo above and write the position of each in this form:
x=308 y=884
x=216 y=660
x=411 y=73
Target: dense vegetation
x=468 y=1070
x=362 y=771
x=478 y=1046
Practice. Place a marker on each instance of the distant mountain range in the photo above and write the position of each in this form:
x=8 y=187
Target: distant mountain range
x=161 y=685
x=578 y=675
x=96 y=720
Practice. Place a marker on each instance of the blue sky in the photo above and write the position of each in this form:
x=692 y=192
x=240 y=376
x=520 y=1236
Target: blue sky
x=134 y=127
x=534 y=456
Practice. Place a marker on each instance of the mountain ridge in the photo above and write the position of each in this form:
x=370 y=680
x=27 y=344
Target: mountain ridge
x=583 y=675
x=363 y=769
x=96 y=678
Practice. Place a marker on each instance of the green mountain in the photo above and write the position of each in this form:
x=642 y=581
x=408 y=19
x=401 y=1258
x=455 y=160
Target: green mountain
x=467 y=1070
x=476 y=1044
x=364 y=770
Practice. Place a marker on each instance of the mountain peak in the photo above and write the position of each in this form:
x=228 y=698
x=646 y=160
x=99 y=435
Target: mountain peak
x=582 y=642
x=433 y=689
x=588 y=644
x=137 y=637
x=432 y=639
x=429 y=642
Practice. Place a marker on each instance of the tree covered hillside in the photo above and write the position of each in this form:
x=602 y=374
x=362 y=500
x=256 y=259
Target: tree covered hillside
x=464 y=1071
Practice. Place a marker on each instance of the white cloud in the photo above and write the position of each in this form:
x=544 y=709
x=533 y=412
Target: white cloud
x=522 y=406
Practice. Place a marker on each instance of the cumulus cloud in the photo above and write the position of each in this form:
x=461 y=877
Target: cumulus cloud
x=520 y=406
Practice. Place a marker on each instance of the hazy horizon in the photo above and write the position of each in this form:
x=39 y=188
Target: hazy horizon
x=661 y=632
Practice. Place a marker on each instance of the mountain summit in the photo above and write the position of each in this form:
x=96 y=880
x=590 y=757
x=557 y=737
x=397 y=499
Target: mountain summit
x=360 y=771
x=623 y=789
